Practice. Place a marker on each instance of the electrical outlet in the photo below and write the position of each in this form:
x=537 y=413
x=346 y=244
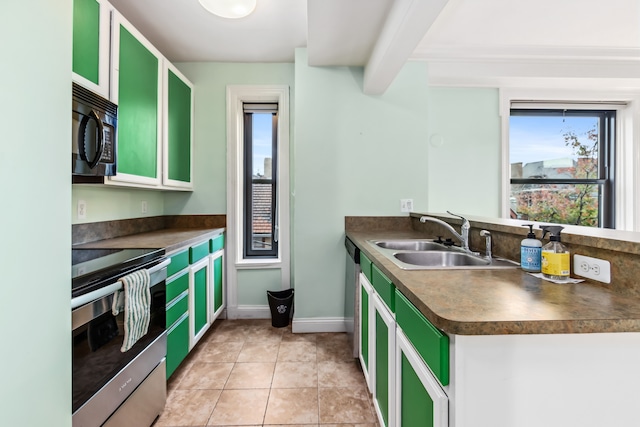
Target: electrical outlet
x=406 y=205
x=144 y=207
x=82 y=209
x=592 y=268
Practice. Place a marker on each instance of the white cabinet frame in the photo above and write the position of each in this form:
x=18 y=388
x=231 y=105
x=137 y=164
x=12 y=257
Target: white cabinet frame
x=430 y=383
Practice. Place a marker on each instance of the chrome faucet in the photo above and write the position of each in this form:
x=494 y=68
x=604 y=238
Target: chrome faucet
x=464 y=230
x=487 y=238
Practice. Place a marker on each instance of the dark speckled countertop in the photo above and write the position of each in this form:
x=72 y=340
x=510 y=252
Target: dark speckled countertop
x=497 y=302
x=170 y=239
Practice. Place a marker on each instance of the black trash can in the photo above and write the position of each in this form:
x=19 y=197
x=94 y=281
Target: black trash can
x=280 y=304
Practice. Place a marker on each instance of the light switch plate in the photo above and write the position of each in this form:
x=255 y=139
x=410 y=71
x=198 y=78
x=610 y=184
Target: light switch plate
x=592 y=268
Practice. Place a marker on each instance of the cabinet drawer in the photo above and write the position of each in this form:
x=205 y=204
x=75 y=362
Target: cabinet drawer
x=177 y=286
x=384 y=287
x=216 y=243
x=431 y=344
x=178 y=262
x=365 y=265
x=176 y=310
x=197 y=252
x=177 y=344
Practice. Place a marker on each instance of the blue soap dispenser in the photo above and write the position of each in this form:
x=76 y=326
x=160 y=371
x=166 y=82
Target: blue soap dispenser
x=530 y=252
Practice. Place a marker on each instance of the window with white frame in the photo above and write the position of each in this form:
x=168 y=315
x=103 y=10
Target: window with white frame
x=257 y=178
x=562 y=164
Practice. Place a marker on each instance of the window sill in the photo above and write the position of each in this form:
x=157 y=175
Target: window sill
x=246 y=264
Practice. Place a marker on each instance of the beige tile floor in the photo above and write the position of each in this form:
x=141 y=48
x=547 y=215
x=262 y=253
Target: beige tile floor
x=245 y=372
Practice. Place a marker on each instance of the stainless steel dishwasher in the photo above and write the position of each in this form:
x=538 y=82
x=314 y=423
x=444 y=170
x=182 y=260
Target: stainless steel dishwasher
x=352 y=296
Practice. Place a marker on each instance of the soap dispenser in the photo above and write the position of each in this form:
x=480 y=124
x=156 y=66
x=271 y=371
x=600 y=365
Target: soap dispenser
x=555 y=257
x=530 y=252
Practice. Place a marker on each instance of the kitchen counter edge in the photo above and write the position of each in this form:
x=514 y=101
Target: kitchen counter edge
x=169 y=239
x=502 y=302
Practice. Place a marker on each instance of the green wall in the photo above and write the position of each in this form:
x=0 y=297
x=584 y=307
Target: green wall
x=464 y=149
x=35 y=320
x=210 y=134
x=354 y=155
x=114 y=203
x=351 y=154
x=254 y=284
x=210 y=153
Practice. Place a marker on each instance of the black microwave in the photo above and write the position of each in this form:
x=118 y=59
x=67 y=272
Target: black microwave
x=94 y=127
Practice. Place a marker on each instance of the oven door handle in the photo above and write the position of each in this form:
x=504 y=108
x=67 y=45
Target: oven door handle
x=160 y=266
x=95 y=295
x=110 y=289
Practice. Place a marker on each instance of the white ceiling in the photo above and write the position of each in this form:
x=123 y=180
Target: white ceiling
x=383 y=34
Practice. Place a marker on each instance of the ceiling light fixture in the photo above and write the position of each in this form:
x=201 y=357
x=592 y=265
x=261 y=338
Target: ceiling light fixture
x=232 y=9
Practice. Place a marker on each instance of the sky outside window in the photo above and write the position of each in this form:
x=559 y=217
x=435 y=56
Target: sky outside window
x=262 y=141
x=539 y=138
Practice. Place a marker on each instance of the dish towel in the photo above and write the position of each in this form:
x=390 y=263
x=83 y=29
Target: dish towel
x=135 y=298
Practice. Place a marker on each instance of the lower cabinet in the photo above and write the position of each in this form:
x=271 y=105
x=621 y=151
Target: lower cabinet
x=420 y=399
x=177 y=319
x=405 y=359
x=365 y=313
x=383 y=363
x=195 y=296
x=218 y=303
x=177 y=343
x=199 y=274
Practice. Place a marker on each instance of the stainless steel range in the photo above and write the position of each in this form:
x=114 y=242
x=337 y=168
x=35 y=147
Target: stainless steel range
x=111 y=387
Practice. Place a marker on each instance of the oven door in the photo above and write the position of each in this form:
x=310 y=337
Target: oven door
x=103 y=376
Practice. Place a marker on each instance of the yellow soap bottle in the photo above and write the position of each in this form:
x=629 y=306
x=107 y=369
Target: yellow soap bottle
x=555 y=257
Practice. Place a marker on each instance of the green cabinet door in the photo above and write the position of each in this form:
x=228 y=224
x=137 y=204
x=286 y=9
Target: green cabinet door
x=178 y=136
x=138 y=76
x=86 y=39
x=90 y=66
x=177 y=343
x=422 y=400
x=364 y=325
x=384 y=362
x=382 y=367
x=416 y=406
x=200 y=311
x=218 y=294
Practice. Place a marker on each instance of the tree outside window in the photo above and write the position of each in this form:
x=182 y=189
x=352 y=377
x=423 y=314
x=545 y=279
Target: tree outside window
x=560 y=166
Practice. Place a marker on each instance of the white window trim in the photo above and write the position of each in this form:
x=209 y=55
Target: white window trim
x=236 y=96
x=627 y=173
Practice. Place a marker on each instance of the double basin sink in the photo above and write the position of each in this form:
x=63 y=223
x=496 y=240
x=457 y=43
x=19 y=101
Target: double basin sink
x=424 y=254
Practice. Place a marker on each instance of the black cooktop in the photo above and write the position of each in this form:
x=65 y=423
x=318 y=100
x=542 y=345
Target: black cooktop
x=94 y=268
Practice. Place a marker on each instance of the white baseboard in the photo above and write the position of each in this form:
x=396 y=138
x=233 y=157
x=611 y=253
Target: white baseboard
x=249 y=312
x=309 y=325
x=318 y=324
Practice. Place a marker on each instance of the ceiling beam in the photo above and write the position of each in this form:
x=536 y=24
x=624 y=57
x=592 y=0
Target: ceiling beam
x=406 y=25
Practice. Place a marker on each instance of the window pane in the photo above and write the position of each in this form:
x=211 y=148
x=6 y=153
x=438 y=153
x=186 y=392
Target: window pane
x=260 y=232
x=555 y=145
x=262 y=145
x=576 y=204
x=262 y=222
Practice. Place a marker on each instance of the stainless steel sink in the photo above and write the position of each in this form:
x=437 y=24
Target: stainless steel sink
x=411 y=245
x=440 y=259
x=424 y=254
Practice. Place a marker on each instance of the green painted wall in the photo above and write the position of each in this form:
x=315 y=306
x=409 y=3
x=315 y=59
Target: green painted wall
x=464 y=149
x=210 y=129
x=254 y=284
x=354 y=154
x=351 y=154
x=114 y=203
x=35 y=83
